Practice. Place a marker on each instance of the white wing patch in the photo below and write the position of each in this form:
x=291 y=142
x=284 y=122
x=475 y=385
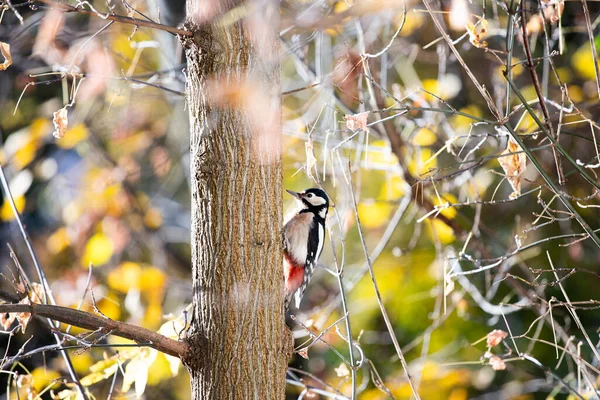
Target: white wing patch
x=321 y=241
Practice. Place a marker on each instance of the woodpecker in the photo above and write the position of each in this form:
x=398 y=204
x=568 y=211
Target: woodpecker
x=304 y=234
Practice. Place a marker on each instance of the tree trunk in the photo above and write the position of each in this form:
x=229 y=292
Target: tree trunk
x=241 y=345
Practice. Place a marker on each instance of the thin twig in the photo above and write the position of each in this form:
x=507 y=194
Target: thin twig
x=118 y=18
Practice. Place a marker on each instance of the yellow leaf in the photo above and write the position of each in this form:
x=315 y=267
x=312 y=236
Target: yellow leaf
x=44 y=377
x=421 y=162
x=151 y=279
x=373 y=214
x=153 y=218
x=392 y=189
x=92 y=378
x=104 y=365
x=58 y=241
x=25 y=154
x=126 y=276
x=462 y=124
x=73 y=136
x=583 y=62
x=440 y=231
x=424 y=137
x=98 y=250
x=449 y=212
x=6 y=212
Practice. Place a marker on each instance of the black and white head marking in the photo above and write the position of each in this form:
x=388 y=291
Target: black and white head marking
x=313 y=200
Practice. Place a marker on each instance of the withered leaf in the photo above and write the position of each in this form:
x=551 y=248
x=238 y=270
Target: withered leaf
x=495 y=337
x=475 y=37
x=60 y=122
x=5 y=51
x=514 y=165
x=356 y=121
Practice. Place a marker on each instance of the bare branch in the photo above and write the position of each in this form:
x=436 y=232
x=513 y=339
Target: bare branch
x=118 y=18
x=90 y=321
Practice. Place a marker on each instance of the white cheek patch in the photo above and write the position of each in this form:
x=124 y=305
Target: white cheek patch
x=323 y=213
x=317 y=201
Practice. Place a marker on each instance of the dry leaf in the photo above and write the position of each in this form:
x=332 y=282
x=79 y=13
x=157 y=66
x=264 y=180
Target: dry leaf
x=60 y=122
x=5 y=50
x=342 y=370
x=357 y=121
x=303 y=353
x=495 y=337
x=476 y=38
x=6 y=320
x=514 y=165
x=497 y=363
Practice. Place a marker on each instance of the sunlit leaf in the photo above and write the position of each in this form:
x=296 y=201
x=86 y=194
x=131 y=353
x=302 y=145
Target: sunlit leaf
x=58 y=241
x=440 y=231
x=583 y=62
x=98 y=250
x=374 y=214
x=126 y=276
x=73 y=136
x=153 y=218
x=5 y=51
x=6 y=212
x=424 y=137
x=477 y=33
x=61 y=122
x=514 y=165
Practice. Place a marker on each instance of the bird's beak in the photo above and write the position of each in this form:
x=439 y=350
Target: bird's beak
x=295 y=194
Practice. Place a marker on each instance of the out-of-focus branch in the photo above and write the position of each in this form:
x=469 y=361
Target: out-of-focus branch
x=538 y=90
x=118 y=18
x=90 y=321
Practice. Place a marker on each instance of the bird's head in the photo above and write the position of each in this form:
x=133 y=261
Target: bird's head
x=313 y=199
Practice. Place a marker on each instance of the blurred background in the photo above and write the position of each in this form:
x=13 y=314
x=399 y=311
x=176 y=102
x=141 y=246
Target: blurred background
x=387 y=115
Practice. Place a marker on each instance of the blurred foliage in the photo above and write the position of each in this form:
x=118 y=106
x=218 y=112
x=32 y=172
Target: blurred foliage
x=113 y=195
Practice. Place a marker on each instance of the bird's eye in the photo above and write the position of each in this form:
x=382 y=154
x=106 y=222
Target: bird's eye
x=310 y=195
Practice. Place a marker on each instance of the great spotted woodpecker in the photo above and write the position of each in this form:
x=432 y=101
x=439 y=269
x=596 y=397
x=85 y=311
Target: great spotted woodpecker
x=304 y=234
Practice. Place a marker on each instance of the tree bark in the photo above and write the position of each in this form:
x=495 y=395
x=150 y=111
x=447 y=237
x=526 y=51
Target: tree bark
x=240 y=345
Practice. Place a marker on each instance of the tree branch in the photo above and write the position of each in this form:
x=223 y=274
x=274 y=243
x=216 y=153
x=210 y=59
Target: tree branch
x=90 y=321
x=118 y=18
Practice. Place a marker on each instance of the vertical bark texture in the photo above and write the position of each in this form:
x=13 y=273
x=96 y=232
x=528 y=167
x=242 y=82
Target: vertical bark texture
x=241 y=344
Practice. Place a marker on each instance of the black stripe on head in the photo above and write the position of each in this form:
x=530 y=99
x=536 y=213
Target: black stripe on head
x=315 y=200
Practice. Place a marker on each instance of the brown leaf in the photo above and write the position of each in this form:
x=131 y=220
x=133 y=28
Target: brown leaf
x=6 y=320
x=514 y=165
x=61 y=123
x=497 y=363
x=356 y=121
x=5 y=51
x=476 y=38
x=495 y=337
